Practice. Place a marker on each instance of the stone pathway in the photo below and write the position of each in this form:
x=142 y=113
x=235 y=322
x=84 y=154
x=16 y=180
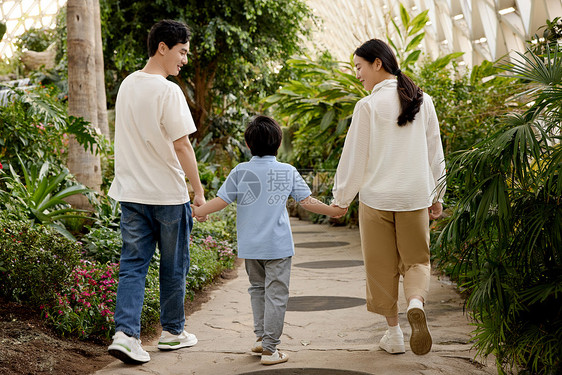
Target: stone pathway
x=327 y=327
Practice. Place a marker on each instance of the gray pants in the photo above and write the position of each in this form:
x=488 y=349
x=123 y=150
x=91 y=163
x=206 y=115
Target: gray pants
x=269 y=293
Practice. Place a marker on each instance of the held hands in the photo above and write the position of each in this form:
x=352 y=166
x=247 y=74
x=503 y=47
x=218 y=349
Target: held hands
x=337 y=211
x=198 y=201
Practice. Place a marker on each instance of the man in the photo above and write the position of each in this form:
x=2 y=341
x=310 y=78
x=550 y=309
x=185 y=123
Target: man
x=152 y=158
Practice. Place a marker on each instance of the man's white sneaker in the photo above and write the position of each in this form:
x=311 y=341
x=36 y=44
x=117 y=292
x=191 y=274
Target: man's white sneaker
x=169 y=342
x=393 y=344
x=420 y=341
x=128 y=349
x=268 y=358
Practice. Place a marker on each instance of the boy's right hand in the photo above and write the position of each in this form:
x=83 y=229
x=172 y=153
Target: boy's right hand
x=337 y=211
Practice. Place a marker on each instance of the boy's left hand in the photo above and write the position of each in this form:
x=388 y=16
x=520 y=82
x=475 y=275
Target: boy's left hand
x=196 y=216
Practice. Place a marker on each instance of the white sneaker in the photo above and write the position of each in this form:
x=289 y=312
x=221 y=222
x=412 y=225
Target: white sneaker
x=393 y=344
x=128 y=349
x=169 y=342
x=257 y=348
x=273 y=359
x=420 y=341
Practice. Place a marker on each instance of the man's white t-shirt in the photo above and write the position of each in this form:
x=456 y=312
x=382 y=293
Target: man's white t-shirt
x=150 y=114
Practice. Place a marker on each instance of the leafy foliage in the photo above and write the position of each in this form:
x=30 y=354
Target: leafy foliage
x=236 y=47
x=40 y=196
x=507 y=225
x=468 y=105
x=35 y=39
x=34 y=261
x=34 y=125
x=316 y=106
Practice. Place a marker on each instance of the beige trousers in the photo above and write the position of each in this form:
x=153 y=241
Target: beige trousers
x=394 y=244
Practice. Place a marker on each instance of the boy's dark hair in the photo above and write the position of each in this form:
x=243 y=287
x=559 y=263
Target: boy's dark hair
x=263 y=136
x=167 y=31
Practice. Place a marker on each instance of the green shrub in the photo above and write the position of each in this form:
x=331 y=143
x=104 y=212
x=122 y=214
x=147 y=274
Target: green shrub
x=220 y=225
x=35 y=262
x=103 y=244
x=208 y=259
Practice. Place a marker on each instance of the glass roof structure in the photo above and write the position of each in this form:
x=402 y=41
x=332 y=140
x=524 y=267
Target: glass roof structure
x=482 y=29
x=22 y=15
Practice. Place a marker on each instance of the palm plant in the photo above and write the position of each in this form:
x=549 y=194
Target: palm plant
x=506 y=228
x=40 y=196
x=317 y=107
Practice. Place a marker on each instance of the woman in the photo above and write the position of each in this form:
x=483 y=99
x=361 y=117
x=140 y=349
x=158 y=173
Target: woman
x=393 y=158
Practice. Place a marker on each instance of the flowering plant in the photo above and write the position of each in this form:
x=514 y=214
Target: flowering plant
x=224 y=251
x=85 y=306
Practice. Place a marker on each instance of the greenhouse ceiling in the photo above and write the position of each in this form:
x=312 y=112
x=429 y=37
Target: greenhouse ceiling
x=482 y=29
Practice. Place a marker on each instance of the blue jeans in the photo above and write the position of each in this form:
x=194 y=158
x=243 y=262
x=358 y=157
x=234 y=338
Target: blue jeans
x=142 y=227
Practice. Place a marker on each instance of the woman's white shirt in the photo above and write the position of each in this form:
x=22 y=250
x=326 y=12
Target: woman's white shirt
x=393 y=168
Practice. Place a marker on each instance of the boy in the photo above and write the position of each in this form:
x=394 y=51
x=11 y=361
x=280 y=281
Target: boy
x=152 y=158
x=261 y=188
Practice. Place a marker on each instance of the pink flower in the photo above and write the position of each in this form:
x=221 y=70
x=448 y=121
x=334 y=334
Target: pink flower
x=1 y=166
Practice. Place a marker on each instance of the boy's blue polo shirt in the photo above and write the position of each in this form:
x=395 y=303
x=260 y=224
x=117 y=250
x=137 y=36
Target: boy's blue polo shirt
x=261 y=188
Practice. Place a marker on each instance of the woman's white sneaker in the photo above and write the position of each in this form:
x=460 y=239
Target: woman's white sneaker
x=128 y=349
x=169 y=341
x=392 y=343
x=420 y=341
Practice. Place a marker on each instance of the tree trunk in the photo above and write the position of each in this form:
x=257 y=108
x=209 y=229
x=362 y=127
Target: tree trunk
x=100 y=75
x=201 y=106
x=82 y=96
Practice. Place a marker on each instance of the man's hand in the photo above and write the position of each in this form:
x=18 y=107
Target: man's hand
x=198 y=200
x=435 y=210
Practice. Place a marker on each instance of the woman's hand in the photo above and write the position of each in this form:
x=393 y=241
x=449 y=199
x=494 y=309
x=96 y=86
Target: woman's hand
x=435 y=210
x=337 y=211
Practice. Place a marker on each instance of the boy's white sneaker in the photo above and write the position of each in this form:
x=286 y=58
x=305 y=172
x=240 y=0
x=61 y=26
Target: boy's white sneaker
x=169 y=341
x=257 y=347
x=420 y=341
x=392 y=343
x=128 y=349
x=268 y=358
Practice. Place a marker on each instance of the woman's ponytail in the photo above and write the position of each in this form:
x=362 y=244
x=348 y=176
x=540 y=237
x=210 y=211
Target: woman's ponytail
x=411 y=98
x=410 y=95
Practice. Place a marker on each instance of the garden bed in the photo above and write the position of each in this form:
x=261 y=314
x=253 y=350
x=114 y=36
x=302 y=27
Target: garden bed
x=28 y=346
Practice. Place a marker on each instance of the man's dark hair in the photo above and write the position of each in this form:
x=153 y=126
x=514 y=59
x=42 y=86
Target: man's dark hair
x=263 y=136
x=167 y=31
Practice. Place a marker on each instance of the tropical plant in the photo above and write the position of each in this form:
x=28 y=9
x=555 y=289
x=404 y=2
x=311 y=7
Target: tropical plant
x=316 y=107
x=405 y=39
x=552 y=33
x=507 y=225
x=468 y=105
x=40 y=196
x=35 y=39
x=34 y=125
x=235 y=48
